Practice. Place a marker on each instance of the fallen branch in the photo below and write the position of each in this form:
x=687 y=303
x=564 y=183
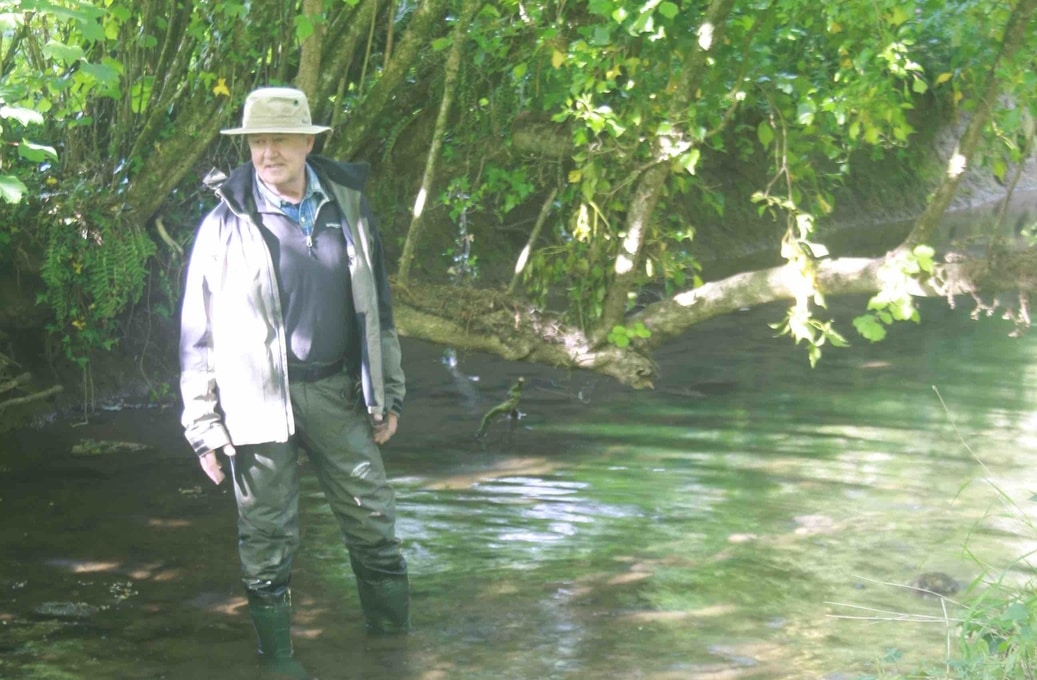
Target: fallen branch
x=9 y=385
x=50 y=391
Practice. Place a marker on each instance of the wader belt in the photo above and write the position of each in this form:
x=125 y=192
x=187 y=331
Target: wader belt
x=313 y=372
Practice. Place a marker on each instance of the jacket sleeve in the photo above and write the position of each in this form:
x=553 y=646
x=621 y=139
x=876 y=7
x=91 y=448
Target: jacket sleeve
x=203 y=425
x=392 y=356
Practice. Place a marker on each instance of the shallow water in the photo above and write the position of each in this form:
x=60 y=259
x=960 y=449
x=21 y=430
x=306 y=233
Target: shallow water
x=719 y=526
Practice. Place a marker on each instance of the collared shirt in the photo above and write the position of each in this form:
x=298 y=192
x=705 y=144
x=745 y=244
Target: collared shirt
x=313 y=274
x=303 y=213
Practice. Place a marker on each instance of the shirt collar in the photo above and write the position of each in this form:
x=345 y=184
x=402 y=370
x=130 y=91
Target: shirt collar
x=314 y=191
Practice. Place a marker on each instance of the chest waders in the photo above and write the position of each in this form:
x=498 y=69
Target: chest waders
x=335 y=431
x=332 y=424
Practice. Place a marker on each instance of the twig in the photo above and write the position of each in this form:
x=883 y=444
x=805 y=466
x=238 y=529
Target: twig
x=908 y=587
x=889 y=616
x=160 y=227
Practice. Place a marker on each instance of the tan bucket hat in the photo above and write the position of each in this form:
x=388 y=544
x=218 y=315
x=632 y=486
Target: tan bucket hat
x=270 y=110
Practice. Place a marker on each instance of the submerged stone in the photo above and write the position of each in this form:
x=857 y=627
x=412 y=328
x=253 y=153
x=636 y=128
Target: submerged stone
x=94 y=447
x=74 y=611
x=935 y=583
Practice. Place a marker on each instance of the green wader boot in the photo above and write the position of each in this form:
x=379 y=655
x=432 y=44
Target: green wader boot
x=384 y=598
x=272 y=615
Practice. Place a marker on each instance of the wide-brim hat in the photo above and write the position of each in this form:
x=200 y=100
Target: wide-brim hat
x=273 y=110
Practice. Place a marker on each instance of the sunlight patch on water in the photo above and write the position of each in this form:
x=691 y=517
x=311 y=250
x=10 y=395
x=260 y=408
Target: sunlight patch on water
x=84 y=566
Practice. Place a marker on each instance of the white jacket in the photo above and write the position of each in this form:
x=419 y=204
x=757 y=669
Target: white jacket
x=233 y=348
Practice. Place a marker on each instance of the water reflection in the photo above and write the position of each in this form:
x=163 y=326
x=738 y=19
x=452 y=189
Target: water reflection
x=714 y=527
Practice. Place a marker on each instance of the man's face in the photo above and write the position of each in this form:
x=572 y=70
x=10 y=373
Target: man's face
x=280 y=161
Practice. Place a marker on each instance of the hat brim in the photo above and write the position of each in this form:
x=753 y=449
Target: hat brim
x=273 y=130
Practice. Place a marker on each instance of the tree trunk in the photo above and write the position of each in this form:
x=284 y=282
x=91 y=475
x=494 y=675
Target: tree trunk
x=342 y=36
x=423 y=28
x=653 y=182
x=309 y=58
x=450 y=74
x=168 y=162
x=486 y=321
x=1016 y=32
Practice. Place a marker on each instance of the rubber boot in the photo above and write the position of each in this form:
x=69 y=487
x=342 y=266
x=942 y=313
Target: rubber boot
x=384 y=597
x=272 y=618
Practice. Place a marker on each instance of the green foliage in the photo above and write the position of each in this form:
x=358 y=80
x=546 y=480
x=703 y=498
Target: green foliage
x=94 y=266
x=895 y=302
x=111 y=85
x=801 y=326
x=813 y=85
x=14 y=121
x=576 y=264
x=790 y=96
x=622 y=336
x=998 y=638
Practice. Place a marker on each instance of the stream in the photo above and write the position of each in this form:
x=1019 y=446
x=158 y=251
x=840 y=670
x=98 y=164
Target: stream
x=750 y=517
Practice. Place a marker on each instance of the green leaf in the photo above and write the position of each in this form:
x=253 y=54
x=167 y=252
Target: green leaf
x=899 y=15
x=903 y=310
x=9 y=21
x=690 y=160
x=924 y=256
x=668 y=9
x=120 y=13
x=102 y=73
x=765 y=133
x=140 y=93
x=21 y=114
x=869 y=328
x=303 y=27
x=1017 y=612
x=618 y=336
x=640 y=330
x=36 y=153
x=602 y=35
x=805 y=113
x=63 y=53
x=11 y=188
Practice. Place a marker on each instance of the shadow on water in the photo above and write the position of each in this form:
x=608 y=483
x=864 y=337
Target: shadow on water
x=715 y=527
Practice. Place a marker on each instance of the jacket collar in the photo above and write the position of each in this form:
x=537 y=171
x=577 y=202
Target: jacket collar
x=236 y=190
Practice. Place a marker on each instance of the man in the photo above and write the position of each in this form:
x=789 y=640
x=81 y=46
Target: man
x=288 y=340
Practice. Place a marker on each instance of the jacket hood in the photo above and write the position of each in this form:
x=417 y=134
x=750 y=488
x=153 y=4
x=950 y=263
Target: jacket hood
x=236 y=190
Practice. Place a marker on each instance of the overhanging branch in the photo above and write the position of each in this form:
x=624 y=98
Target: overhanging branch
x=498 y=324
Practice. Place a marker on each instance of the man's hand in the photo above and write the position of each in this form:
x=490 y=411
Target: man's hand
x=211 y=464
x=384 y=429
